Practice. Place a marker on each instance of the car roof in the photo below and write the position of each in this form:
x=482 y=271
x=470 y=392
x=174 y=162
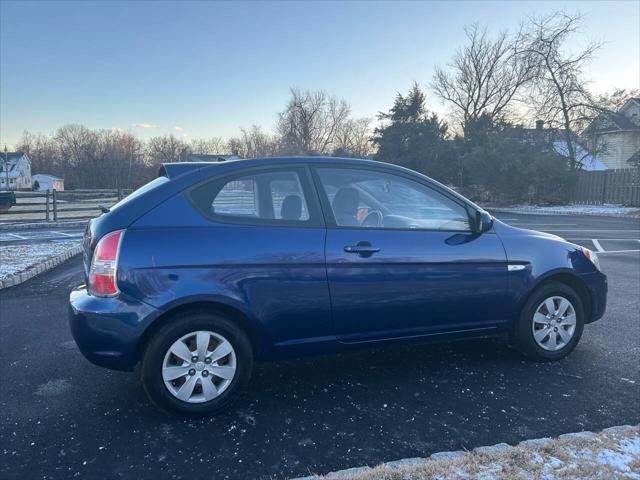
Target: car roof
x=172 y=170
x=206 y=169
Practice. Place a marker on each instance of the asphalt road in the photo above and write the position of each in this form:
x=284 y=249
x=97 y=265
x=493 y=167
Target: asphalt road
x=65 y=418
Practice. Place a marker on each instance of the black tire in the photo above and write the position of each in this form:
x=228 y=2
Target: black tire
x=523 y=338
x=176 y=328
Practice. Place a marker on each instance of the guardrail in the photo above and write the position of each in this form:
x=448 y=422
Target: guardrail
x=60 y=205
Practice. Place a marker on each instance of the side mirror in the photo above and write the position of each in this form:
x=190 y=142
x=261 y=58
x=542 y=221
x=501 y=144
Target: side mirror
x=484 y=221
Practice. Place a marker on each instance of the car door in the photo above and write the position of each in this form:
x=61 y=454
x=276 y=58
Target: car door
x=264 y=243
x=403 y=259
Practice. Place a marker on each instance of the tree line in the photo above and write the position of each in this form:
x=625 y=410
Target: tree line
x=493 y=85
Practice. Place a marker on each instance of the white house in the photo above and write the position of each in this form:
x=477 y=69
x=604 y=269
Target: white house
x=15 y=171
x=615 y=137
x=47 y=182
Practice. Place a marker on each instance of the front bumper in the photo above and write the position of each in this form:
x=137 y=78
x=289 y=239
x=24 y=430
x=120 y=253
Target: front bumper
x=598 y=289
x=108 y=330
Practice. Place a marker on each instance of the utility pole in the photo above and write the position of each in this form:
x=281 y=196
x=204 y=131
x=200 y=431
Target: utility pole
x=6 y=166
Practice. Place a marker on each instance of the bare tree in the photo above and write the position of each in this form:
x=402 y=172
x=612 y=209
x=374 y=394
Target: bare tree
x=484 y=77
x=311 y=121
x=211 y=146
x=253 y=143
x=165 y=149
x=353 y=138
x=123 y=163
x=79 y=149
x=612 y=102
x=560 y=93
x=42 y=153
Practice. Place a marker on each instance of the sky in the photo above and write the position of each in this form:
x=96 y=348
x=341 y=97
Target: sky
x=202 y=69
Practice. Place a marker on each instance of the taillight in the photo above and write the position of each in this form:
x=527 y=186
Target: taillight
x=102 y=274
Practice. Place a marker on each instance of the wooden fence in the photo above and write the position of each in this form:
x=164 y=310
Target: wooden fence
x=64 y=205
x=608 y=186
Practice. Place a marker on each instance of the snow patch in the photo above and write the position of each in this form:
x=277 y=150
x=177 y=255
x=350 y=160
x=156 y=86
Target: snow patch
x=603 y=210
x=20 y=257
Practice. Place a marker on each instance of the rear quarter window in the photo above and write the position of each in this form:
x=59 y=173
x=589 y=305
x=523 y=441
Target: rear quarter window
x=277 y=197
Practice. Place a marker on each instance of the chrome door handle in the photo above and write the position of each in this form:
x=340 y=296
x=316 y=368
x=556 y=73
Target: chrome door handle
x=360 y=249
x=364 y=249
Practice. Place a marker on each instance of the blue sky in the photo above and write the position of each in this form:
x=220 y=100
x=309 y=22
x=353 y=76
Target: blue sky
x=210 y=68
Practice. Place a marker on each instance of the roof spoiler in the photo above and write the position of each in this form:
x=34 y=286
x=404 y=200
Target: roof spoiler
x=173 y=170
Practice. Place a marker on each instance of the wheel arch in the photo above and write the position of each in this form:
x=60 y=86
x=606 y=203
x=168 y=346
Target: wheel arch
x=248 y=325
x=572 y=280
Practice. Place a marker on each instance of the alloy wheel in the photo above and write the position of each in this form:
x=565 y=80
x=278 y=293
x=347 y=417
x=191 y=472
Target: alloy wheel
x=554 y=323
x=199 y=366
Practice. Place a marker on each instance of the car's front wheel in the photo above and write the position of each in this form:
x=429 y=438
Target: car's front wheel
x=551 y=322
x=196 y=364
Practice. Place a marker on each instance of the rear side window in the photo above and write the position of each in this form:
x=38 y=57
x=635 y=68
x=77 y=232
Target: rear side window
x=276 y=197
x=237 y=197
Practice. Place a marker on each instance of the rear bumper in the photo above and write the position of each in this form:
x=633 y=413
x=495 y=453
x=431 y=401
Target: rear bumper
x=598 y=289
x=108 y=330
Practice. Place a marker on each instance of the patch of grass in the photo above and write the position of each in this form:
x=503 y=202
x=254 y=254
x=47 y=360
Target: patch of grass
x=606 y=455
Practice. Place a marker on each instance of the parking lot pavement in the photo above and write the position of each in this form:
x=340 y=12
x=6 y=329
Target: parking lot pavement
x=607 y=235
x=15 y=237
x=63 y=417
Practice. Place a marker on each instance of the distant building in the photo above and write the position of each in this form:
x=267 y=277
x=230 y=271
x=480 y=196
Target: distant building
x=615 y=137
x=555 y=139
x=47 y=182
x=19 y=171
x=205 y=157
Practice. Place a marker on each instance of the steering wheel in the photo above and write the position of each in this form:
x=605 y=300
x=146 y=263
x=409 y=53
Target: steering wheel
x=373 y=219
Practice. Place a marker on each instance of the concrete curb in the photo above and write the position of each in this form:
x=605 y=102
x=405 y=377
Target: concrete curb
x=42 y=225
x=20 y=277
x=533 y=211
x=491 y=449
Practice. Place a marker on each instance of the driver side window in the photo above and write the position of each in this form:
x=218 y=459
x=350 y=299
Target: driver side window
x=372 y=199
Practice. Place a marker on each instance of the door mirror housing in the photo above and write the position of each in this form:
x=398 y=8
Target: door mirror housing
x=484 y=221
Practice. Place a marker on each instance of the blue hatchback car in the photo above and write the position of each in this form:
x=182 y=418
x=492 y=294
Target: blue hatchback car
x=212 y=266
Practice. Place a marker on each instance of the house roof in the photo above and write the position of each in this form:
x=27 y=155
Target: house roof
x=621 y=121
x=43 y=176
x=587 y=161
x=12 y=158
x=613 y=121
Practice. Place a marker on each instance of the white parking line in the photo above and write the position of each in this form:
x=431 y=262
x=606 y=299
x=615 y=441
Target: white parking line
x=17 y=236
x=547 y=224
x=604 y=239
x=596 y=244
x=64 y=234
x=590 y=230
x=619 y=251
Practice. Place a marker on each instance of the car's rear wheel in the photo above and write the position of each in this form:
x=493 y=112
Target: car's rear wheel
x=551 y=322
x=196 y=364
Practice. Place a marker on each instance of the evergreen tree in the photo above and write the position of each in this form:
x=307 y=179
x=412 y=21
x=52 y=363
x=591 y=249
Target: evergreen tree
x=413 y=137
